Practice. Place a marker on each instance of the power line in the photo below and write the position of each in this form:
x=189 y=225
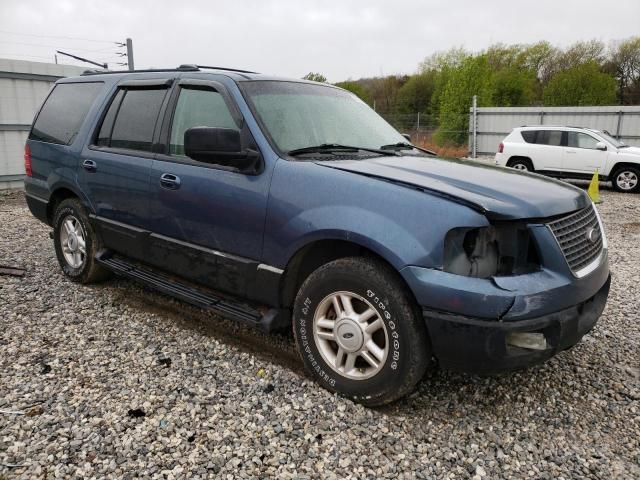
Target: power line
x=42 y=45
x=56 y=36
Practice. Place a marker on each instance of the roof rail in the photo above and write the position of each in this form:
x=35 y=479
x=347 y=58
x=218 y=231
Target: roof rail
x=224 y=68
x=549 y=125
x=187 y=67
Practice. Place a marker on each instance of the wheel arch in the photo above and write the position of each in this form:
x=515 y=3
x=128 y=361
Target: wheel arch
x=319 y=252
x=514 y=158
x=621 y=165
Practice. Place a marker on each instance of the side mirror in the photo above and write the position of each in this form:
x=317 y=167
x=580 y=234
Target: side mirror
x=407 y=136
x=601 y=146
x=221 y=146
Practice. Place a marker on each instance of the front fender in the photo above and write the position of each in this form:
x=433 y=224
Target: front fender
x=405 y=226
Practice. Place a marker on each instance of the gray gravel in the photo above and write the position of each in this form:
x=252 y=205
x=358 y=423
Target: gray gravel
x=113 y=380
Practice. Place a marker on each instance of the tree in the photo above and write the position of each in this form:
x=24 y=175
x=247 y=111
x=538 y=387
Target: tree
x=415 y=95
x=357 y=89
x=513 y=87
x=472 y=77
x=624 y=64
x=583 y=84
x=315 y=77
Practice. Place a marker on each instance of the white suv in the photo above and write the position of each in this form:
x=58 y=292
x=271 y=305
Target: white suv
x=572 y=152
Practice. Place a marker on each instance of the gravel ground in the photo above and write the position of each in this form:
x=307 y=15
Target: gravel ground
x=113 y=380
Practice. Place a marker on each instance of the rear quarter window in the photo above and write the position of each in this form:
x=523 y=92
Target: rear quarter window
x=529 y=136
x=64 y=111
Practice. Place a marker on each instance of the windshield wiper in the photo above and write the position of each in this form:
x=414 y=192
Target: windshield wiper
x=405 y=146
x=335 y=147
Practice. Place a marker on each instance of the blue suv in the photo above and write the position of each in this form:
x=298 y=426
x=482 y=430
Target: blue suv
x=291 y=204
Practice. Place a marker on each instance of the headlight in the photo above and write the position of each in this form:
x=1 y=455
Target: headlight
x=505 y=249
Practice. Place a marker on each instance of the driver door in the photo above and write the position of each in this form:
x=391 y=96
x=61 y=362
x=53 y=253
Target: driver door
x=207 y=219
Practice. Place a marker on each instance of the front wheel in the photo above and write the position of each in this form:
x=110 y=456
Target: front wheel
x=627 y=179
x=359 y=332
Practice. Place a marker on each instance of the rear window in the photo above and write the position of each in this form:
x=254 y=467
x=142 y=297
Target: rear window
x=64 y=112
x=131 y=119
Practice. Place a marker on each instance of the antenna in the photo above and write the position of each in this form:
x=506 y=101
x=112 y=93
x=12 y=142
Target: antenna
x=101 y=65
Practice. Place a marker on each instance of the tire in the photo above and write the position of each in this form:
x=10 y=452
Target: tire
x=523 y=164
x=626 y=179
x=395 y=327
x=71 y=228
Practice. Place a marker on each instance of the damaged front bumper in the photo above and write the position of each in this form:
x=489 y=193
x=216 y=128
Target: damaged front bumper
x=475 y=324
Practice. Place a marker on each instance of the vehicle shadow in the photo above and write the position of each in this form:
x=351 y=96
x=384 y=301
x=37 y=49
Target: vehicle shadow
x=441 y=393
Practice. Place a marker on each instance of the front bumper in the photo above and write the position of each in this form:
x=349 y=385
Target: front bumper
x=480 y=346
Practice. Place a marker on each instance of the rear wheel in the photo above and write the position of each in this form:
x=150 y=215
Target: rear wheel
x=626 y=179
x=76 y=243
x=521 y=164
x=359 y=332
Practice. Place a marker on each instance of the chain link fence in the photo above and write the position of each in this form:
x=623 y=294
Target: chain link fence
x=422 y=127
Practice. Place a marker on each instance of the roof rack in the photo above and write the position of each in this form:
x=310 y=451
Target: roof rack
x=182 y=68
x=549 y=125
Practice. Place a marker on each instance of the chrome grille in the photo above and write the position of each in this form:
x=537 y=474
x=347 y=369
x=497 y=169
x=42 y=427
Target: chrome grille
x=579 y=237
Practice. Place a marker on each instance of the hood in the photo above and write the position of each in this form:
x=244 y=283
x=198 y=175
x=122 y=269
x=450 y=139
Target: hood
x=499 y=193
x=630 y=150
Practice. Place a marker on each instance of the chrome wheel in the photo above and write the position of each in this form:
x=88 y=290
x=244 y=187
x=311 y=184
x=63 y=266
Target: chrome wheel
x=627 y=180
x=350 y=335
x=520 y=166
x=72 y=241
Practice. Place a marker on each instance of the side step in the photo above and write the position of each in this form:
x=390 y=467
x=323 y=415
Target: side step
x=272 y=319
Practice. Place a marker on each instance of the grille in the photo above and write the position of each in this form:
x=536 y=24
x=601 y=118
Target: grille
x=579 y=237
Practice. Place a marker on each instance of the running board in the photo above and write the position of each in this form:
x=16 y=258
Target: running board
x=272 y=318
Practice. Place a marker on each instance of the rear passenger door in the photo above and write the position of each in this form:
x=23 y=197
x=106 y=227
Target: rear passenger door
x=581 y=154
x=207 y=219
x=114 y=169
x=548 y=152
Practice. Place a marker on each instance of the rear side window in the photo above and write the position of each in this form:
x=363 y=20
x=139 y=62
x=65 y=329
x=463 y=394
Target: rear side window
x=549 y=137
x=529 y=136
x=64 y=112
x=131 y=119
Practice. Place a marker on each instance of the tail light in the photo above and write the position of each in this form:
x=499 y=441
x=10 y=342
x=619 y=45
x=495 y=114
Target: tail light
x=27 y=161
x=501 y=147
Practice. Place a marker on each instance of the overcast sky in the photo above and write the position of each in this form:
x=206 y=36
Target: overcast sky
x=340 y=38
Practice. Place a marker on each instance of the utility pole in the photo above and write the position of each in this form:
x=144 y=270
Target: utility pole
x=130 y=54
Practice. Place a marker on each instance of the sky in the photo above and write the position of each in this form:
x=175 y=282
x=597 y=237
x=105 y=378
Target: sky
x=342 y=39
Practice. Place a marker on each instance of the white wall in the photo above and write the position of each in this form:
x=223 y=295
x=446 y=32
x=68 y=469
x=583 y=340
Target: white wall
x=23 y=87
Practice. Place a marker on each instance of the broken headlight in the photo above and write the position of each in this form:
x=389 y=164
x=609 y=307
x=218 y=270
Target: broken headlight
x=505 y=249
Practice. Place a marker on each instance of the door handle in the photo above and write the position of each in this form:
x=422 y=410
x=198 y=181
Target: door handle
x=571 y=151
x=89 y=166
x=169 y=181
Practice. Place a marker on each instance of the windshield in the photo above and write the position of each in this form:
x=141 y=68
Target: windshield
x=611 y=140
x=300 y=115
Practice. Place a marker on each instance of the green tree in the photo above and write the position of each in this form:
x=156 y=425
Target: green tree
x=472 y=77
x=415 y=95
x=356 y=88
x=624 y=64
x=583 y=84
x=315 y=77
x=513 y=87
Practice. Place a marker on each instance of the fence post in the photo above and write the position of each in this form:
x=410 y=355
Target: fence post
x=619 y=127
x=474 y=152
x=418 y=125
